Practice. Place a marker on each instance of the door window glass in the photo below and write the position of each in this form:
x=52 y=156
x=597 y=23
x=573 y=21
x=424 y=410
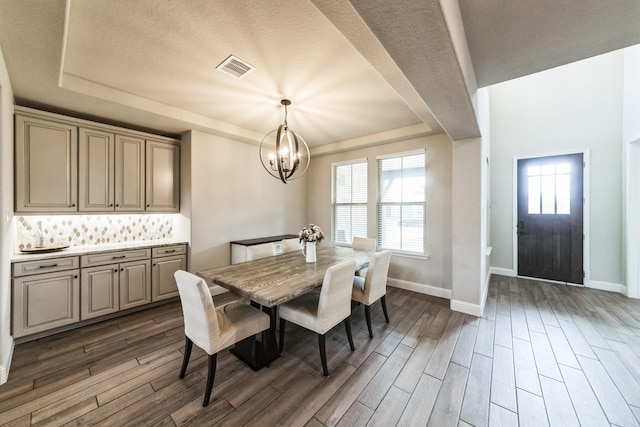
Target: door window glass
x=549 y=189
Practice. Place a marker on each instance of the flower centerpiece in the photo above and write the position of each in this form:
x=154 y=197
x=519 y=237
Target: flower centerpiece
x=311 y=234
x=309 y=237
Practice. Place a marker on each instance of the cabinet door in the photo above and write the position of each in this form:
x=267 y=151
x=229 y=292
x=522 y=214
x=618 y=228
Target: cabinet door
x=130 y=175
x=163 y=177
x=135 y=284
x=163 y=284
x=45 y=301
x=96 y=171
x=46 y=166
x=100 y=291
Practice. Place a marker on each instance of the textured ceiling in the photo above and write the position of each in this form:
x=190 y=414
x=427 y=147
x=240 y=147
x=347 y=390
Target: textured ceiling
x=358 y=73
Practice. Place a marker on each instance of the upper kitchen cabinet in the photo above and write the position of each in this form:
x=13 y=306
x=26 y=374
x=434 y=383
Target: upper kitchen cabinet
x=130 y=174
x=46 y=174
x=96 y=167
x=64 y=164
x=163 y=177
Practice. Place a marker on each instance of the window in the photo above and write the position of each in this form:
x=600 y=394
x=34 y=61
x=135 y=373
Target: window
x=349 y=201
x=549 y=189
x=401 y=202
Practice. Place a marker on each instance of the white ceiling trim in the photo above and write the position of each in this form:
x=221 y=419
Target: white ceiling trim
x=396 y=135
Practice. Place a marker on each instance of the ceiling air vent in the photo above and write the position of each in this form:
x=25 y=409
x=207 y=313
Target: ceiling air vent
x=235 y=67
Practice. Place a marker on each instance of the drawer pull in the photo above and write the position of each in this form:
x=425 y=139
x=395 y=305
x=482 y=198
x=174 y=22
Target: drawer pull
x=118 y=257
x=48 y=266
x=170 y=251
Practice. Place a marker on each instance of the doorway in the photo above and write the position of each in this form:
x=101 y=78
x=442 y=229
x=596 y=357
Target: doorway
x=550 y=204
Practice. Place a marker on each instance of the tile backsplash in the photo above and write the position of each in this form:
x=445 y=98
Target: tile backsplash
x=84 y=230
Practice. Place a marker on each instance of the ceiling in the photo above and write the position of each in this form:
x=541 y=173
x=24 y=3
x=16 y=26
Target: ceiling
x=358 y=73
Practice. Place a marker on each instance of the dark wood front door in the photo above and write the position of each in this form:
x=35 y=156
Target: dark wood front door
x=550 y=220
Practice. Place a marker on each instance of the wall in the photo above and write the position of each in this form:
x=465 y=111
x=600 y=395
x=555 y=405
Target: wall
x=6 y=217
x=432 y=275
x=631 y=154
x=574 y=107
x=232 y=197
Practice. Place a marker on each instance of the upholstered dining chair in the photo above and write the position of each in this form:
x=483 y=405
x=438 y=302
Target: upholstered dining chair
x=373 y=287
x=210 y=328
x=321 y=311
x=290 y=245
x=262 y=250
x=363 y=244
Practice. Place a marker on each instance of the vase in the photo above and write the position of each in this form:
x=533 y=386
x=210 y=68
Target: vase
x=310 y=252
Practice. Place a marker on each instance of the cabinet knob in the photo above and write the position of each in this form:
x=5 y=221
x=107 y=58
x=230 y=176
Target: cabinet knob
x=110 y=205
x=73 y=205
x=122 y=269
x=75 y=276
x=148 y=206
x=115 y=270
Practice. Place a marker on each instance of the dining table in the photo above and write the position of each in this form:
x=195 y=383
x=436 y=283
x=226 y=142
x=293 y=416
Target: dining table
x=268 y=282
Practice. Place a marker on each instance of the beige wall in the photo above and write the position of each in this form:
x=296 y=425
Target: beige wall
x=6 y=217
x=571 y=108
x=232 y=197
x=432 y=275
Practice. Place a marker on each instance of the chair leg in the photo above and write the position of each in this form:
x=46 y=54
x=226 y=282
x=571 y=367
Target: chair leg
x=367 y=316
x=383 y=301
x=281 y=343
x=323 y=355
x=347 y=326
x=213 y=359
x=187 y=354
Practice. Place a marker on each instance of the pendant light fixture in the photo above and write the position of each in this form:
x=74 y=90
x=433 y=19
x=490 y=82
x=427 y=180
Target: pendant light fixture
x=283 y=153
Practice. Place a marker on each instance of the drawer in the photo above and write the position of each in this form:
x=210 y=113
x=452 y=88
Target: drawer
x=45 y=266
x=169 y=250
x=114 y=257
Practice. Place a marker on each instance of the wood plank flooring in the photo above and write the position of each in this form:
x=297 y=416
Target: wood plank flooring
x=542 y=354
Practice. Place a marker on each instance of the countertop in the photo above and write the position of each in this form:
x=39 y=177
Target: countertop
x=87 y=249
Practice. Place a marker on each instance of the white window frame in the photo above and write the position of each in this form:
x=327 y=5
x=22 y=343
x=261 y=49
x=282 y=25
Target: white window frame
x=380 y=204
x=334 y=204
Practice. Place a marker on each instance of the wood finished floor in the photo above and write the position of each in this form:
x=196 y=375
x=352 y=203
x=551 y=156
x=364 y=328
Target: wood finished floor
x=542 y=354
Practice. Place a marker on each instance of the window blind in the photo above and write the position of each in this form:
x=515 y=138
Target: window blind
x=349 y=202
x=402 y=202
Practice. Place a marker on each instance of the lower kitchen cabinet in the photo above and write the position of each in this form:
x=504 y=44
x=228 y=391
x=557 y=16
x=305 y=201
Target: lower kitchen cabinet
x=135 y=284
x=57 y=292
x=100 y=290
x=45 y=301
x=166 y=261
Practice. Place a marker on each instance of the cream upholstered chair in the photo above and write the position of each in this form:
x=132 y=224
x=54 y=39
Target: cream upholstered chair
x=321 y=311
x=290 y=245
x=262 y=250
x=363 y=244
x=373 y=286
x=211 y=328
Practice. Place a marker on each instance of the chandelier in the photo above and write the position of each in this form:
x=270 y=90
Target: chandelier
x=283 y=153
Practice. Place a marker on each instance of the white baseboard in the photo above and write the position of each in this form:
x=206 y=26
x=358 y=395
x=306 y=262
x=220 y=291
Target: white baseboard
x=420 y=288
x=5 y=364
x=467 y=308
x=606 y=286
x=502 y=272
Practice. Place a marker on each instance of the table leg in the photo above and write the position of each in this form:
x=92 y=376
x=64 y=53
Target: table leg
x=258 y=354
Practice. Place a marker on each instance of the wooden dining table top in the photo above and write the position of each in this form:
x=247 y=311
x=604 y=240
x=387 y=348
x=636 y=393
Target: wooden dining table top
x=277 y=279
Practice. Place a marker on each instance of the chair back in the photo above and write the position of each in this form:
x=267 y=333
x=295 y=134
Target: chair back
x=334 y=304
x=262 y=250
x=363 y=243
x=375 y=282
x=290 y=245
x=200 y=318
